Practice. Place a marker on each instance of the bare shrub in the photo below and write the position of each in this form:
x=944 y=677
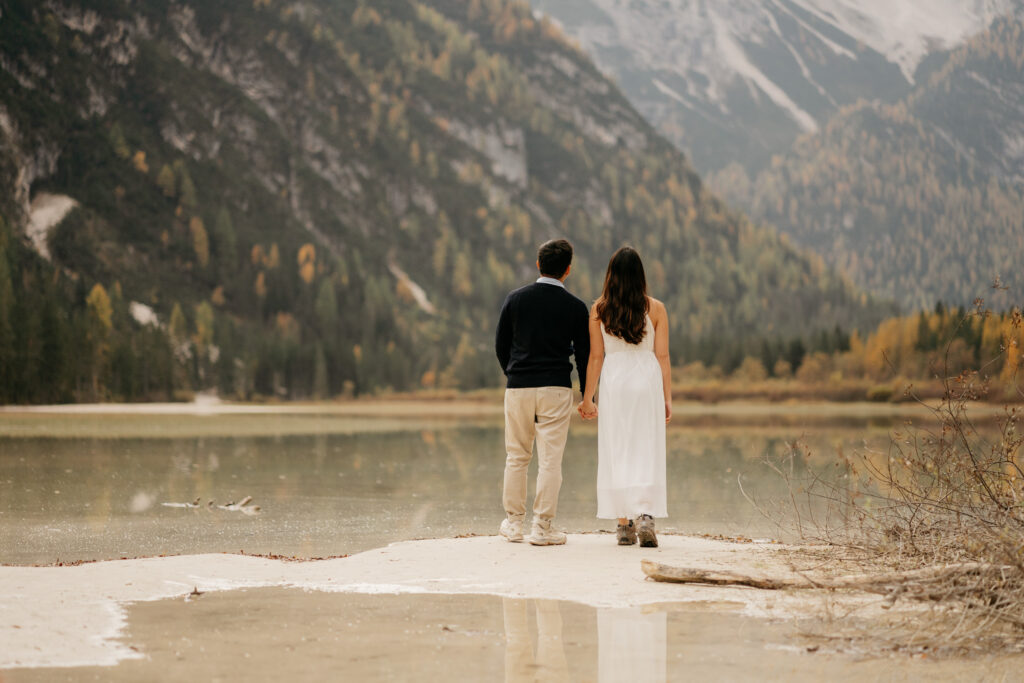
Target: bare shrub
x=938 y=517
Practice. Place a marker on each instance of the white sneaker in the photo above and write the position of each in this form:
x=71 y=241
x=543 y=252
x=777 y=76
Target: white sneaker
x=512 y=530
x=544 y=534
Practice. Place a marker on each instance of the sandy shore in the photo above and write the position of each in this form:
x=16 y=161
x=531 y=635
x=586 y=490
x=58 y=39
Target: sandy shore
x=369 y=407
x=74 y=616
x=487 y=405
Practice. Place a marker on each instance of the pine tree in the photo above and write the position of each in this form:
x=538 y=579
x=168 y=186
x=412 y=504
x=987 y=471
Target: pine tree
x=177 y=325
x=225 y=243
x=186 y=188
x=202 y=340
x=7 y=349
x=118 y=142
x=320 y=388
x=326 y=307
x=166 y=181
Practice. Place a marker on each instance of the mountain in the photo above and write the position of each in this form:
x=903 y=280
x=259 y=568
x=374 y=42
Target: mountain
x=920 y=200
x=316 y=197
x=739 y=80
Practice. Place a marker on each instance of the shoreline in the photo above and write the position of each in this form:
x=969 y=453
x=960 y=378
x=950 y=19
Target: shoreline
x=226 y=420
x=476 y=407
x=87 y=603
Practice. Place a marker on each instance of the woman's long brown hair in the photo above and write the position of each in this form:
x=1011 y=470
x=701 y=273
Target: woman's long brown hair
x=623 y=305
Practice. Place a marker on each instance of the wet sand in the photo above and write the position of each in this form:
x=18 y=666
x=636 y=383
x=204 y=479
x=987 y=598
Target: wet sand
x=74 y=616
x=433 y=610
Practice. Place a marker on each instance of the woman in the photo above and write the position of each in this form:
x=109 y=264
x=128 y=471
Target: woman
x=629 y=353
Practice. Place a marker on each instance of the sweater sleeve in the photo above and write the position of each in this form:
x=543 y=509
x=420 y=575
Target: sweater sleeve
x=581 y=344
x=503 y=335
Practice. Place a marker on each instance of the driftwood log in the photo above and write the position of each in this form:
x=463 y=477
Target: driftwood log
x=882 y=582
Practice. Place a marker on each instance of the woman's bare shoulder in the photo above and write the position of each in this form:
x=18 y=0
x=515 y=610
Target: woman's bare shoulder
x=656 y=306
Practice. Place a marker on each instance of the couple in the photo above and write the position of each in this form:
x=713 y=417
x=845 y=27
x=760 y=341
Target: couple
x=621 y=341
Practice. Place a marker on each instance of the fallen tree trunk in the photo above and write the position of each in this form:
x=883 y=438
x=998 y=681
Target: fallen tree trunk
x=882 y=582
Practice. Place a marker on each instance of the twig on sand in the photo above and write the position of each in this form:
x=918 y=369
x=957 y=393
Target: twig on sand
x=242 y=506
x=193 y=504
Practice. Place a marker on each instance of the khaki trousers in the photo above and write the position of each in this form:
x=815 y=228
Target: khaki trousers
x=541 y=413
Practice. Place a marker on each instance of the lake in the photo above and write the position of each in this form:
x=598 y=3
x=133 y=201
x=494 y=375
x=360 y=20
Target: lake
x=94 y=486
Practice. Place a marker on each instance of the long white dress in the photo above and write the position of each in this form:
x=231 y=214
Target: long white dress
x=630 y=430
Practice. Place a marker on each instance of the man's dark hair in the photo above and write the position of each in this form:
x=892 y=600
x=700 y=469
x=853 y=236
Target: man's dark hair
x=554 y=257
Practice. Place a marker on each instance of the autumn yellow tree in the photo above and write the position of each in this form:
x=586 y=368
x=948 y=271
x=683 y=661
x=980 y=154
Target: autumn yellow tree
x=200 y=240
x=100 y=322
x=307 y=262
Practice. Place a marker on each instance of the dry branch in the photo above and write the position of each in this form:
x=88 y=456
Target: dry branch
x=883 y=582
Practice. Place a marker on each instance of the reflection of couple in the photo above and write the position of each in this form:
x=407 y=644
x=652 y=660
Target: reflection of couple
x=623 y=342
x=630 y=644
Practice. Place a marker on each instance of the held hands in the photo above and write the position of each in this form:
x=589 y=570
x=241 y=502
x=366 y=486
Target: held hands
x=587 y=409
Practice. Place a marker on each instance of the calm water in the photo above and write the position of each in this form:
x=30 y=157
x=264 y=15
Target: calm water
x=288 y=634
x=66 y=499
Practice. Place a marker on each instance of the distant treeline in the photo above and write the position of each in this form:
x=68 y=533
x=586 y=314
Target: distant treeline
x=942 y=343
x=64 y=340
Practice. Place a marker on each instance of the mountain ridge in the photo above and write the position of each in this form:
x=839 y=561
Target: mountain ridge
x=317 y=197
x=747 y=77
x=920 y=200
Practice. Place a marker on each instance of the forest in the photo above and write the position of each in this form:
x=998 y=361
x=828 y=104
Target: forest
x=275 y=202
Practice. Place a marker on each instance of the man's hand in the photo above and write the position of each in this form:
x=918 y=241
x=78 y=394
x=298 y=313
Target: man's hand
x=587 y=409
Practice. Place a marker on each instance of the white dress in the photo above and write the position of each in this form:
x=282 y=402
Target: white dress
x=630 y=430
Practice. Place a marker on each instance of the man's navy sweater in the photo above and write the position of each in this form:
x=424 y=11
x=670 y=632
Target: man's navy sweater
x=540 y=327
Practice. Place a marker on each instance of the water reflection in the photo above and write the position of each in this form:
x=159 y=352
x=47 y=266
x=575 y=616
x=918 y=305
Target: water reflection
x=331 y=494
x=291 y=634
x=522 y=665
x=631 y=645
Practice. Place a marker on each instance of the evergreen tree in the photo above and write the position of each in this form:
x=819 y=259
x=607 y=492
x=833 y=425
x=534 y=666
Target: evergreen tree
x=177 y=325
x=186 y=189
x=6 y=319
x=166 y=181
x=795 y=354
x=326 y=307
x=320 y=388
x=224 y=241
x=54 y=381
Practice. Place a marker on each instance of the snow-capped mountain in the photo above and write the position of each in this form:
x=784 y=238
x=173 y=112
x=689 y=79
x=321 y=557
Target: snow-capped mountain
x=738 y=80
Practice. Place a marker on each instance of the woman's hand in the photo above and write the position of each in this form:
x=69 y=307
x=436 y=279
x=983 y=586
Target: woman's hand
x=587 y=409
x=668 y=410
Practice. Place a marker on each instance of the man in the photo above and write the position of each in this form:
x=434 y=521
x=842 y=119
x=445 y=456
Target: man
x=541 y=325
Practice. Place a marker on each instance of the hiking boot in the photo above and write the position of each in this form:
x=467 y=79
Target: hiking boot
x=626 y=533
x=545 y=534
x=512 y=530
x=645 y=531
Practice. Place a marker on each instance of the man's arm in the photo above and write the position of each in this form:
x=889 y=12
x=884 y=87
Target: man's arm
x=581 y=344
x=503 y=335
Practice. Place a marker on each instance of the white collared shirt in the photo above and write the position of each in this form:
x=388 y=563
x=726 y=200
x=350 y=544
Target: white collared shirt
x=545 y=280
